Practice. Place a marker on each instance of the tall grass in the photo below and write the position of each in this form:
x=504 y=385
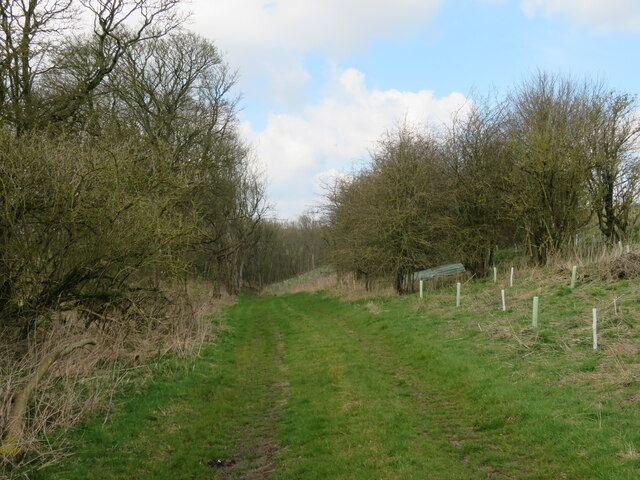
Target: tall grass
x=86 y=380
x=590 y=246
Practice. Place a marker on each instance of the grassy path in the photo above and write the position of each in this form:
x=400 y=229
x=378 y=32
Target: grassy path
x=305 y=387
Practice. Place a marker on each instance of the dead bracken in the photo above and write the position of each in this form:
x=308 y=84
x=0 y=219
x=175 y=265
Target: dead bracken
x=624 y=266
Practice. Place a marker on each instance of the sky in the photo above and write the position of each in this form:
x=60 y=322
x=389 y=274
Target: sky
x=322 y=80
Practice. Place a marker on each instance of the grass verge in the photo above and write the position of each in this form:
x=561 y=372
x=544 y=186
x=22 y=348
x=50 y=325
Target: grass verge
x=306 y=386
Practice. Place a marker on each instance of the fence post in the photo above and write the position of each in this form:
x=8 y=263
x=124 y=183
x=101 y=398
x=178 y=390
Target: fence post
x=595 y=329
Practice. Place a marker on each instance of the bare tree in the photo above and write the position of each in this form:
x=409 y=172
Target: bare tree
x=33 y=44
x=548 y=127
x=614 y=181
x=479 y=161
x=394 y=217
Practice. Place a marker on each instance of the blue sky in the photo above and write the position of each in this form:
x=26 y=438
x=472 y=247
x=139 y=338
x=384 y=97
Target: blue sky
x=322 y=80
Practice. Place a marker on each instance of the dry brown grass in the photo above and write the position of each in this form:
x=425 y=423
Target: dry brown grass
x=87 y=379
x=348 y=288
x=373 y=308
x=316 y=281
x=345 y=287
x=630 y=453
x=592 y=251
x=358 y=291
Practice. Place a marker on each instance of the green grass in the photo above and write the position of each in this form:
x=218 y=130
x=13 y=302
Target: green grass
x=180 y=422
x=308 y=387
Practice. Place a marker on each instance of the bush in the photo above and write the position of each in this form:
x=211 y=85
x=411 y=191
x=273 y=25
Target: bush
x=79 y=222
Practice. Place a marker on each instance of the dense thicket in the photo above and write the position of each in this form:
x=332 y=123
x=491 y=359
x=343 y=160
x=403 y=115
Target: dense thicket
x=532 y=169
x=121 y=166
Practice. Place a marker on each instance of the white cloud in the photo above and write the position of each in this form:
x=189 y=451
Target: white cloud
x=326 y=25
x=605 y=16
x=287 y=80
x=331 y=175
x=326 y=138
x=268 y=40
